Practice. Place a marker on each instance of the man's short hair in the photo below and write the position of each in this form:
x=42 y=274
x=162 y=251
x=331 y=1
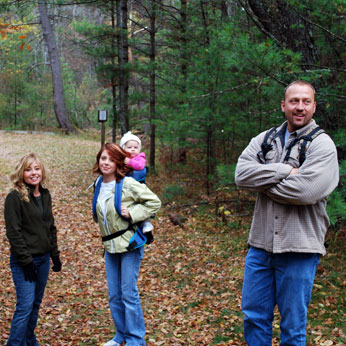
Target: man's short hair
x=300 y=82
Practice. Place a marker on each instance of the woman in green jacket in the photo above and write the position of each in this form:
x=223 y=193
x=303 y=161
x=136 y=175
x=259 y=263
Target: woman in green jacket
x=32 y=235
x=138 y=203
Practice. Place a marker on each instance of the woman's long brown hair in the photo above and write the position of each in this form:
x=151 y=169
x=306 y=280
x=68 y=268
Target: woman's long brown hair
x=118 y=155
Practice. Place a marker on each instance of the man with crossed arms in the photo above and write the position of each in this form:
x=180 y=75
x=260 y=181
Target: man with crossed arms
x=289 y=222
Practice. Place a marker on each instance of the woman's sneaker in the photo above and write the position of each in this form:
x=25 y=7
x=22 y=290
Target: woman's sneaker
x=112 y=343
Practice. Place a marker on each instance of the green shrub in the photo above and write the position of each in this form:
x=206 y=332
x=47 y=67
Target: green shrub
x=225 y=175
x=172 y=192
x=336 y=206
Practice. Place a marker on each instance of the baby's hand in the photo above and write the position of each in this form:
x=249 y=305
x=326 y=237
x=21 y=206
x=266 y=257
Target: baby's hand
x=127 y=160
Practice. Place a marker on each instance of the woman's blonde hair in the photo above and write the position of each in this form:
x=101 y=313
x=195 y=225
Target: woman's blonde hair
x=17 y=177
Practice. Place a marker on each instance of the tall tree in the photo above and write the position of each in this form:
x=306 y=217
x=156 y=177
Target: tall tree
x=58 y=88
x=152 y=54
x=123 y=60
x=183 y=49
x=280 y=21
x=114 y=77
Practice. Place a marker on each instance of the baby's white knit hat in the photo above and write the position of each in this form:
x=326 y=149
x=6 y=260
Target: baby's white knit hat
x=128 y=136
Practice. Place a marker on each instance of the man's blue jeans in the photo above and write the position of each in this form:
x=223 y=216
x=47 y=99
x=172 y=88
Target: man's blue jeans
x=122 y=274
x=283 y=279
x=29 y=298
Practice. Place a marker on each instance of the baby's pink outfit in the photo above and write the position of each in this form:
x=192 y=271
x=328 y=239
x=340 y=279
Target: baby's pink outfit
x=138 y=162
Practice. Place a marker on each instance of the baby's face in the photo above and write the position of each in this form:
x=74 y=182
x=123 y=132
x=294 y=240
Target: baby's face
x=132 y=147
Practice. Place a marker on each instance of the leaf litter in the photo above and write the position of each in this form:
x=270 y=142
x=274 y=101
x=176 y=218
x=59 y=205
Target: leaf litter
x=191 y=276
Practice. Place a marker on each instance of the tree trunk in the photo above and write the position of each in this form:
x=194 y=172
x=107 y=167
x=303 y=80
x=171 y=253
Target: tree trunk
x=281 y=21
x=114 y=79
x=58 y=89
x=152 y=85
x=123 y=59
x=227 y=8
x=15 y=104
x=210 y=155
x=184 y=58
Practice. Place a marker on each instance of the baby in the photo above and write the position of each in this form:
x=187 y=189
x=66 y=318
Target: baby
x=132 y=144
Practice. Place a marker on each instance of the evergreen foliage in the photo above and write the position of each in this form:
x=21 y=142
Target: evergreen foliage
x=220 y=71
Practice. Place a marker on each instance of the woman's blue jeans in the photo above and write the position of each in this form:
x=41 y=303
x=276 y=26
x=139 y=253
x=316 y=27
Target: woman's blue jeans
x=283 y=279
x=29 y=298
x=122 y=274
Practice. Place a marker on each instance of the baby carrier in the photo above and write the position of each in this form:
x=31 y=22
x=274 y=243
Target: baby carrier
x=138 y=239
x=139 y=175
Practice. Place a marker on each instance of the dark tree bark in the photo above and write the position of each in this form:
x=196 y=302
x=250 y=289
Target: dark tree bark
x=184 y=58
x=123 y=60
x=152 y=84
x=114 y=78
x=210 y=146
x=58 y=88
x=281 y=21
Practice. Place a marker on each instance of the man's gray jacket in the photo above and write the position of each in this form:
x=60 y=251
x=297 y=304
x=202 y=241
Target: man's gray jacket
x=290 y=212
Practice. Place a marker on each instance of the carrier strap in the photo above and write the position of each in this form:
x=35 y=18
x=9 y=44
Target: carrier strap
x=312 y=135
x=117 y=197
x=114 y=235
x=138 y=239
x=265 y=146
x=305 y=138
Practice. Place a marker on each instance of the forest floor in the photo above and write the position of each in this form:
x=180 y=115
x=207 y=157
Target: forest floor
x=191 y=276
